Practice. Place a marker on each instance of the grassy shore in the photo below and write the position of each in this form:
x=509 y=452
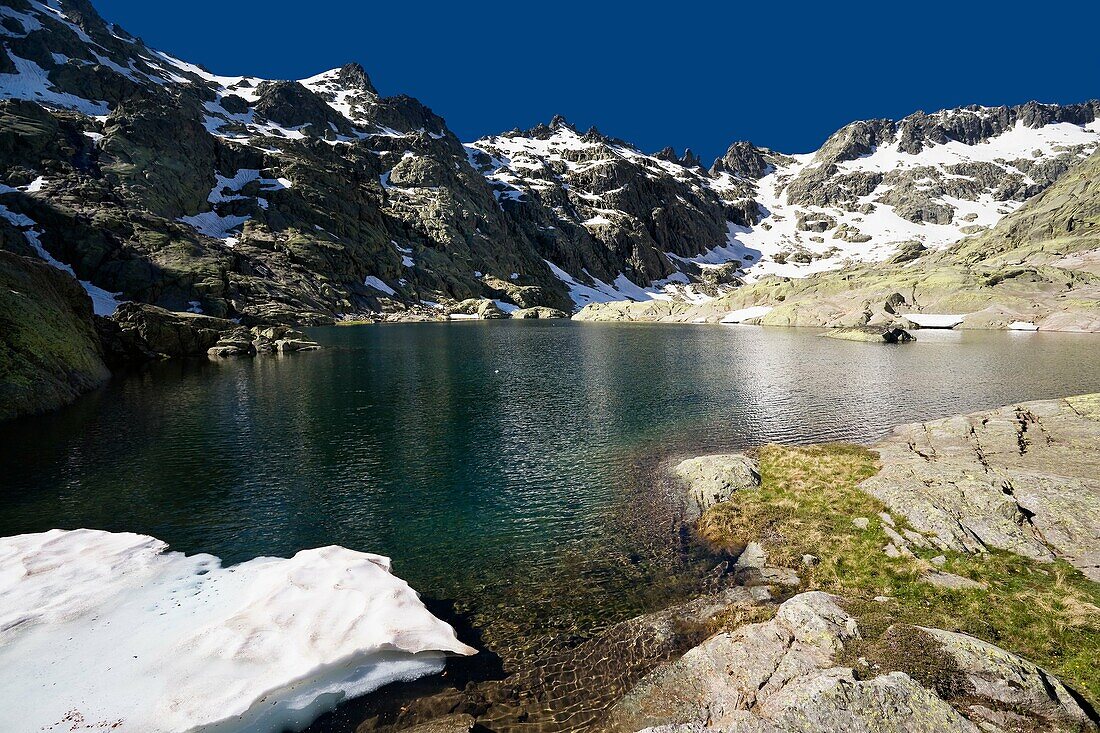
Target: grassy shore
x=805 y=505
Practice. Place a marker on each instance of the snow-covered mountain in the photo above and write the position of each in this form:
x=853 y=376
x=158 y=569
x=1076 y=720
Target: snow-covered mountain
x=872 y=187
x=305 y=201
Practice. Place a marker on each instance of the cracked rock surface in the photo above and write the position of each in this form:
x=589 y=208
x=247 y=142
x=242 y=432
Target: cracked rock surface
x=1024 y=478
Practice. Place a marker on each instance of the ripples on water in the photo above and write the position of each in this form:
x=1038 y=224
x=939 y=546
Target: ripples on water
x=495 y=462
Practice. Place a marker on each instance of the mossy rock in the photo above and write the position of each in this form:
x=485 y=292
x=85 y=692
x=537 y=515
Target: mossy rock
x=49 y=351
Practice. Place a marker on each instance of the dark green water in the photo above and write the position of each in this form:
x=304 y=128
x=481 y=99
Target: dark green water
x=506 y=466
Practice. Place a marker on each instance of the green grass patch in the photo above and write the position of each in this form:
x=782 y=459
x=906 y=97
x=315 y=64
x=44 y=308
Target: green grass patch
x=808 y=497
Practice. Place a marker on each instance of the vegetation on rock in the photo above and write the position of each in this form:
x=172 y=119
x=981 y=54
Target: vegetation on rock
x=809 y=503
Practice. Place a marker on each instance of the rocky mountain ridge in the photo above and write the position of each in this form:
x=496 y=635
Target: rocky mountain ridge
x=320 y=199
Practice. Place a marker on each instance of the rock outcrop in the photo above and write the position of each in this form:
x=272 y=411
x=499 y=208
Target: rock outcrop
x=1023 y=478
x=539 y=312
x=789 y=674
x=872 y=334
x=715 y=478
x=138 y=332
x=49 y=351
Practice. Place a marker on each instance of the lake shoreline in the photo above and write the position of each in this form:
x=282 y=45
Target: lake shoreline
x=655 y=695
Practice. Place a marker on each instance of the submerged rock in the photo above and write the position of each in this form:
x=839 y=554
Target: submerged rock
x=713 y=479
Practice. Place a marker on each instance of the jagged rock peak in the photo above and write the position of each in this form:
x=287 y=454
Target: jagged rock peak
x=667 y=153
x=353 y=75
x=84 y=14
x=690 y=159
x=543 y=131
x=744 y=159
x=593 y=135
x=558 y=121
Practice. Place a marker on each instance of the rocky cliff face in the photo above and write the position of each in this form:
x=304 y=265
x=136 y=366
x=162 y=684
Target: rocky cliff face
x=276 y=201
x=615 y=221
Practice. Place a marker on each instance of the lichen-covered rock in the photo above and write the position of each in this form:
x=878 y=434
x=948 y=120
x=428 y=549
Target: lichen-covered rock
x=1009 y=680
x=169 y=333
x=139 y=331
x=1024 y=478
x=783 y=676
x=49 y=350
x=712 y=479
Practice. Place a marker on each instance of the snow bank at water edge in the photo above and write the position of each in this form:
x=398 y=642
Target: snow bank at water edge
x=935 y=320
x=744 y=314
x=111 y=631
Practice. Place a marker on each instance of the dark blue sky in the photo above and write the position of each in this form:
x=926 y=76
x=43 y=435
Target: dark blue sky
x=783 y=75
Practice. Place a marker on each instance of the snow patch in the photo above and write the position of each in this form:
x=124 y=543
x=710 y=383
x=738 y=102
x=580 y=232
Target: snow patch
x=935 y=320
x=374 y=282
x=110 y=630
x=215 y=225
x=30 y=81
x=104 y=303
x=744 y=314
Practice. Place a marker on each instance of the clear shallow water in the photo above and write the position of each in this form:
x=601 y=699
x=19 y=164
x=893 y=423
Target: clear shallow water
x=500 y=464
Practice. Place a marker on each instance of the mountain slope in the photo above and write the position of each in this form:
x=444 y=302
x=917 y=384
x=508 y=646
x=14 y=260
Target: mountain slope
x=614 y=220
x=1036 y=269
x=873 y=187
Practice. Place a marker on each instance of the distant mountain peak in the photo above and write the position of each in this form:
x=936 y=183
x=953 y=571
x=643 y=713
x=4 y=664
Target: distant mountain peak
x=354 y=75
x=558 y=122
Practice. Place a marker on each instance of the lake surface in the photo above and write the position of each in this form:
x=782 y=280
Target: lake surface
x=505 y=466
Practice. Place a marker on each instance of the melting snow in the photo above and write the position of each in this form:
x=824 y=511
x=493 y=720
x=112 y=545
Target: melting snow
x=103 y=302
x=215 y=225
x=111 y=631
x=31 y=81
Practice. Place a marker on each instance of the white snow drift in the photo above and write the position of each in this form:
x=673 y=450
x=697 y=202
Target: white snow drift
x=103 y=630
